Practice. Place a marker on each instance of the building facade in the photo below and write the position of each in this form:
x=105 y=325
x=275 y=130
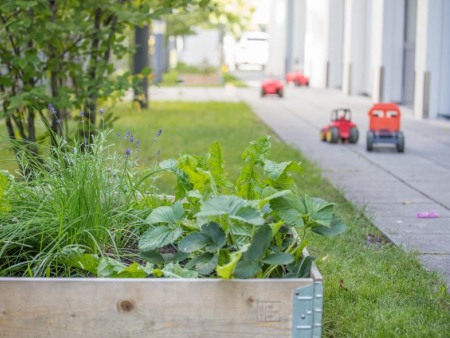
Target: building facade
x=389 y=50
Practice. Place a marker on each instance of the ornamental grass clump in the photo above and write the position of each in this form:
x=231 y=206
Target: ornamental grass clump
x=80 y=197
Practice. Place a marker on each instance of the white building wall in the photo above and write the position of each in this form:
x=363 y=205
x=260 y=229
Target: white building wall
x=277 y=38
x=201 y=49
x=356 y=38
x=432 y=81
x=316 y=41
x=335 y=43
x=298 y=36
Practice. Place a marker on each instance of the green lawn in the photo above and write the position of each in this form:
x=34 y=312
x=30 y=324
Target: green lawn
x=372 y=288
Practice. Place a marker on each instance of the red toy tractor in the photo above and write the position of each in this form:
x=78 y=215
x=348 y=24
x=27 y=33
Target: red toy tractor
x=341 y=127
x=384 y=126
x=272 y=87
x=297 y=78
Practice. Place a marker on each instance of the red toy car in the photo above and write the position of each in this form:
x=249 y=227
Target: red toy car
x=384 y=126
x=297 y=78
x=272 y=86
x=341 y=127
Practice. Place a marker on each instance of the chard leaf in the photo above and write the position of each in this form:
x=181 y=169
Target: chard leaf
x=134 y=270
x=226 y=270
x=247 y=269
x=198 y=178
x=216 y=164
x=158 y=237
x=75 y=257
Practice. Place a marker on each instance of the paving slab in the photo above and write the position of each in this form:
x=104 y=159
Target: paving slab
x=390 y=187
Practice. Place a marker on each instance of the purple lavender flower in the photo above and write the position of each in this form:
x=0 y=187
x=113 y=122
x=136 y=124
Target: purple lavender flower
x=128 y=152
x=159 y=133
x=102 y=110
x=118 y=136
x=137 y=144
x=58 y=121
x=158 y=153
x=52 y=109
x=131 y=139
x=82 y=114
x=127 y=135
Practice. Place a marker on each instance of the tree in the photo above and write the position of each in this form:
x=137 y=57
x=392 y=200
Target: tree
x=61 y=52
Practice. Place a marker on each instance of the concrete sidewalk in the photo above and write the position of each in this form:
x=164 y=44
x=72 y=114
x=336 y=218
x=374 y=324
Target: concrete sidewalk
x=390 y=187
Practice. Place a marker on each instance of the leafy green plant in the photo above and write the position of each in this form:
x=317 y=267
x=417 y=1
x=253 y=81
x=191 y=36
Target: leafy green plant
x=256 y=227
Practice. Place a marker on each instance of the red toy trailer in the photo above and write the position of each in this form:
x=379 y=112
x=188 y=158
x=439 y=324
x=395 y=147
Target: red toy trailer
x=384 y=126
x=297 y=78
x=272 y=87
x=341 y=127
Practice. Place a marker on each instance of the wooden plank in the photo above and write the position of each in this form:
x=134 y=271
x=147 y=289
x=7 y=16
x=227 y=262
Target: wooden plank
x=83 y=307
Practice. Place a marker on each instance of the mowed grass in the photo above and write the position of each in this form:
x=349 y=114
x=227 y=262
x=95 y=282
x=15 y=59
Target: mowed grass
x=372 y=288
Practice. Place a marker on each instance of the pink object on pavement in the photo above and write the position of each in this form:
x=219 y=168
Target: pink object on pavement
x=427 y=214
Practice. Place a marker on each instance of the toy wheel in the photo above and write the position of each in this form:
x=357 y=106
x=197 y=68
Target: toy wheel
x=263 y=93
x=297 y=83
x=332 y=135
x=370 y=139
x=280 y=92
x=323 y=137
x=400 y=142
x=354 y=135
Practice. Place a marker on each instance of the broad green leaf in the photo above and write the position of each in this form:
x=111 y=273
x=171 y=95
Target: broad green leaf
x=205 y=263
x=159 y=237
x=259 y=244
x=216 y=165
x=303 y=268
x=176 y=271
x=167 y=214
x=134 y=270
x=189 y=164
x=226 y=270
x=193 y=242
x=216 y=236
x=75 y=257
x=233 y=206
x=336 y=227
x=108 y=267
x=320 y=211
x=275 y=171
x=290 y=209
x=278 y=258
x=246 y=269
x=152 y=256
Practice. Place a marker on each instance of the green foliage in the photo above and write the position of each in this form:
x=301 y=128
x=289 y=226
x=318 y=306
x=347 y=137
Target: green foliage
x=229 y=236
x=5 y=183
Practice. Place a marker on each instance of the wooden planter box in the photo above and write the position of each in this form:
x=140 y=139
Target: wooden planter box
x=91 y=307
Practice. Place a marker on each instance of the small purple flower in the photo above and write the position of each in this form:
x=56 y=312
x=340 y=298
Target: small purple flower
x=158 y=153
x=58 y=121
x=127 y=135
x=137 y=143
x=159 y=133
x=82 y=114
x=128 y=152
x=102 y=110
x=118 y=136
x=131 y=139
x=52 y=109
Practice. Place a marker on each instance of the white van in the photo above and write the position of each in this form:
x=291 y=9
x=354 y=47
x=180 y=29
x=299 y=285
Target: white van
x=252 y=49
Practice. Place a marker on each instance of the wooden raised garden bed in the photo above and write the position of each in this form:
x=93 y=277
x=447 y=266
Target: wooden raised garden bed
x=98 y=307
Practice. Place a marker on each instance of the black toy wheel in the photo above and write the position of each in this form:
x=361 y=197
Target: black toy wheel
x=370 y=139
x=332 y=135
x=263 y=93
x=354 y=135
x=400 y=142
x=323 y=136
x=280 y=92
